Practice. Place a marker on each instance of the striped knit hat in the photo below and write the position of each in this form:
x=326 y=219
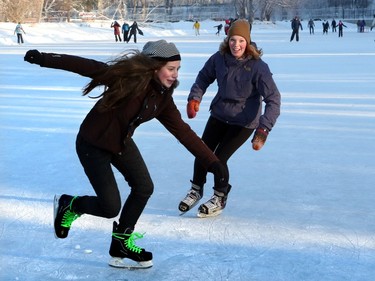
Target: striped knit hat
x=161 y=50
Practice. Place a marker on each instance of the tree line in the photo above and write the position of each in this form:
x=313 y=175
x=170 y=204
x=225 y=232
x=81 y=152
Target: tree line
x=42 y=10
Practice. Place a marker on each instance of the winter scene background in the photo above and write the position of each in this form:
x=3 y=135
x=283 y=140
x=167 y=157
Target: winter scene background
x=302 y=208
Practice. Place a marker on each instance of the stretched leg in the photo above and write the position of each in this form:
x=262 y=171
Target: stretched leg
x=97 y=166
x=132 y=166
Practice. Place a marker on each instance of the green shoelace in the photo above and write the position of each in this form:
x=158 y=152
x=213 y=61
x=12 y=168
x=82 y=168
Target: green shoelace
x=129 y=240
x=70 y=216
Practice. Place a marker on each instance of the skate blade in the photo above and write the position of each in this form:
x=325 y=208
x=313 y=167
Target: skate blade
x=129 y=264
x=186 y=208
x=55 y=208
x=214 y=214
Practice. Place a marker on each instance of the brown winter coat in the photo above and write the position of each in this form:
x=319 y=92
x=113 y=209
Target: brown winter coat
x=109 y=129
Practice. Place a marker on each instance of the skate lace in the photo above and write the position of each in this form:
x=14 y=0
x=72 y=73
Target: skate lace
x=70 y=216
x=129 y=240
x=192 y=197
x=213 y=202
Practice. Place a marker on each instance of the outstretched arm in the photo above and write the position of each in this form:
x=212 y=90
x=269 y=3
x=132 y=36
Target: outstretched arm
x=82 y=66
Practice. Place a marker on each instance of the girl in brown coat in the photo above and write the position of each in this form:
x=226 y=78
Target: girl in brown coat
x=138 y=88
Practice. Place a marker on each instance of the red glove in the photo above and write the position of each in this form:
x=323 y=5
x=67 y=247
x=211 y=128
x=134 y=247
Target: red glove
x=192 y=108
x=260 y=137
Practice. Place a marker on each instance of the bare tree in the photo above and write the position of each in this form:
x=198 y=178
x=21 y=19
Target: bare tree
x=245 y=9
x=49 y=6
x=21 y=10
x=267 y=7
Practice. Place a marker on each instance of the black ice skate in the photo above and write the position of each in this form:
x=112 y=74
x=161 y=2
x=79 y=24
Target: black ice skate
x=124 y=253
x=64 y=215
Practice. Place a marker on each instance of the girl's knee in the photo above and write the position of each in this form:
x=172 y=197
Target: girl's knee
x=111 y=209
x=145 y=190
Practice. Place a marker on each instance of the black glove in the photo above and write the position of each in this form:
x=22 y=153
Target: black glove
x=34 y=56
x=221 y=174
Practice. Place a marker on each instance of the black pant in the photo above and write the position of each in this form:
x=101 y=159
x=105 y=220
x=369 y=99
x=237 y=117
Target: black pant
x=19 y=38
x=294 y=33
x=126 y=36
x=133 y=34
x=223 y=140
x=97 y=164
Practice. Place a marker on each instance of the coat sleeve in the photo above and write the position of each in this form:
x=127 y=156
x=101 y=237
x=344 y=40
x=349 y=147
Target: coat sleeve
x=172 y=121
x=271 y=97
x=82 y=66
x=206 y=76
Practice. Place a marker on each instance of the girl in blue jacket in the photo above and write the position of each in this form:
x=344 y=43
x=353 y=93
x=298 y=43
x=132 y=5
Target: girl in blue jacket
x=244 y=82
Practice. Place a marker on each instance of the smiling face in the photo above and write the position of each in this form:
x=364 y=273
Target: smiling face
x=237 y=45
x=168 y=74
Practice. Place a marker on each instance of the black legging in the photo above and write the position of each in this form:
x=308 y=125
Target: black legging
x=97 y=165
x=223 y=140
x=133 y=34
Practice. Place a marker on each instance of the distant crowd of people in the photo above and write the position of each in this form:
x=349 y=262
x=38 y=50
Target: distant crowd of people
x=296 y=26
x=127 y=30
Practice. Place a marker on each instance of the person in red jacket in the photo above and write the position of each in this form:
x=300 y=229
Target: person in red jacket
x=138 y=87
x=116 y=29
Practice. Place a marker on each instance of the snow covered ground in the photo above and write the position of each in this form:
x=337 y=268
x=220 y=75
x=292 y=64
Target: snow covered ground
x=302 y=208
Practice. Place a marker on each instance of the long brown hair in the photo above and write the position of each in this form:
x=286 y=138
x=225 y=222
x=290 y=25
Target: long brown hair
x=251 y=49
x=126 y=77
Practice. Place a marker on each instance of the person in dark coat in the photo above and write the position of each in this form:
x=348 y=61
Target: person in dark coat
x=325 y=27
x=311 y=26
x=296 y=25
x=125 y=31
x=138 y=87
x=333 y=25
x=244 y=83
x=341 y=25
x=219 y=28
x=133 y=30
x=116 y=29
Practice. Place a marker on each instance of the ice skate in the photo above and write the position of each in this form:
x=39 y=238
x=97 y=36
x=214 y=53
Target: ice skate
x=191 y=199
x=214 y=206
x=64 y=214
x=124 y=253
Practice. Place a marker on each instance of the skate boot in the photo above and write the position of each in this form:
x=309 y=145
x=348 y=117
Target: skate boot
x=64 y=214
x=191 y=199
x=124 y=253
x=214 y=206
